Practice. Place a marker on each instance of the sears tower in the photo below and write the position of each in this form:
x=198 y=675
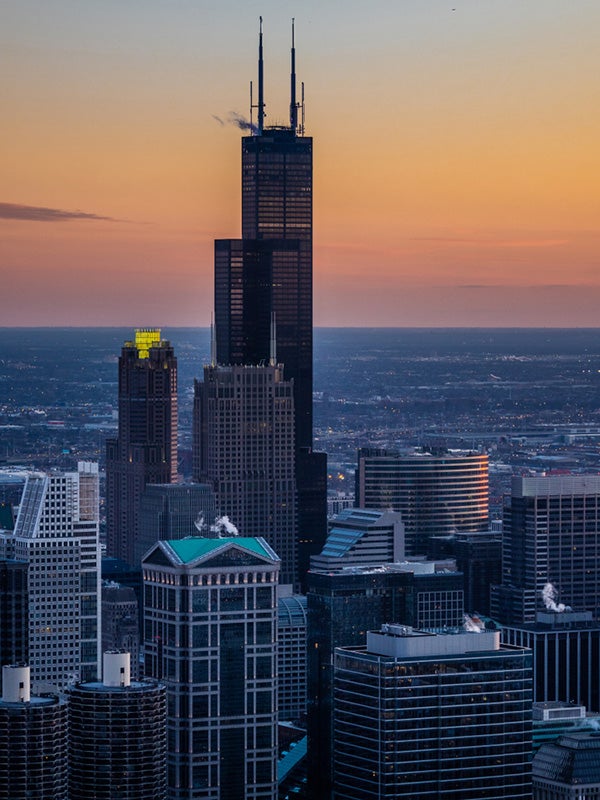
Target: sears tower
x=267 y=276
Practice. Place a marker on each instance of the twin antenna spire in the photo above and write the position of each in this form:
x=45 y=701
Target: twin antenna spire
x=260 y=106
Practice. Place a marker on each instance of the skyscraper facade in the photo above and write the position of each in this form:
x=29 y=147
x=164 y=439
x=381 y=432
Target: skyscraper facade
x=145 y=450
x=422 y=715
x=245 y=423
x=210 y=636
x=117 y=736
x=57 y=534
x=551 y=537
x=14 y=612
x=33 y=737
x=436 y=494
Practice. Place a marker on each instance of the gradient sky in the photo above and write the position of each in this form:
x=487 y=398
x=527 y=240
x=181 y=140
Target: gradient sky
x=457 y=157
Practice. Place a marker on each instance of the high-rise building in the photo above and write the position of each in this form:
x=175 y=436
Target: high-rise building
x=266 y=276
x=419 y=715
x=436 y=494
x=291 y=656
x=550 y=547
x=14 y=613
x=117 y=736
x=33 y=740
x=568 y=769
x=566 y=656
x=210 y=635
x=174 y=511
x=245 y=423
x=56 y=533
x=120 y=622
x=145 y=450
x=342 y=606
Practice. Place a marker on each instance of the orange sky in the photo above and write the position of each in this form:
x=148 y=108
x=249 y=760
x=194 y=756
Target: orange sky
x=457 y=168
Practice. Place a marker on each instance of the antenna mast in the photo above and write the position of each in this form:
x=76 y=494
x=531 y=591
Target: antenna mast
x=273 y=343
x=293 y=104
x=302 y=123
x=261 y=97
x=213 y=343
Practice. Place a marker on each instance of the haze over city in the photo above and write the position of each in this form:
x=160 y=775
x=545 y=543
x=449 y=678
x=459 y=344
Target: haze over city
x=456 y=157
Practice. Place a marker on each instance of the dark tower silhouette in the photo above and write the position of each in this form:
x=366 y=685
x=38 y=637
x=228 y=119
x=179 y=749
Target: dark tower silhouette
x=146 y=448
x=268 y=274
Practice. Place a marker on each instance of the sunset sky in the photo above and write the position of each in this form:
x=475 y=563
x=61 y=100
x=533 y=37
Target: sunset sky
x=456 y=150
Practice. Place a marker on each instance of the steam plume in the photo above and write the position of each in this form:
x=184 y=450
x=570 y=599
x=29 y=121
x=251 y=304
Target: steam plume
x=549 y=595
x=223 y=525
x=472 y=625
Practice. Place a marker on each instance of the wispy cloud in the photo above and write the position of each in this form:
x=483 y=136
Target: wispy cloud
x=482 y=242
x=42 y=214
x=239 y=120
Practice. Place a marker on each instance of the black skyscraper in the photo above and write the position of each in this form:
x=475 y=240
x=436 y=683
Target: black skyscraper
x=146 y=448
x=266 y=276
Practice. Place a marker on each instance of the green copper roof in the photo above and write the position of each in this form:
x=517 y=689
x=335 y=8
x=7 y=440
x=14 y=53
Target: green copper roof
x=197 y=547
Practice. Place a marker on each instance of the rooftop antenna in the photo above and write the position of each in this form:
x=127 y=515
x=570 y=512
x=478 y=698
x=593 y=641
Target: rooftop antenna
x=273 y=342
x=213 y=343
x=293 y=104
x=261 y=97
x=302 y=123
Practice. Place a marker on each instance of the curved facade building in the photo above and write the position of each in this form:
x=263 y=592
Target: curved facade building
x=435 y=494
x=117 y=736
x=291 y=657
x=33 y=741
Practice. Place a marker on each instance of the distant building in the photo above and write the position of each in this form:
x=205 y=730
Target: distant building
x=551 y=536
x=56 y=533
x=117 y=736
x=568 y=769
x=291 y=657
x=33 y=732
x=120 y=622
x=361 y=537
x=174 y=511
x=554 y=718
x=244 y=423
x=566 y=656
x=344 y=605
x=421 y=715
x=14 y=613
x=435 y=494
x=145 y=450
x=211 y=633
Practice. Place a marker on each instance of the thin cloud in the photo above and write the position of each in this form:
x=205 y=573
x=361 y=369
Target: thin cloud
x=492 y=242
x=42 y=214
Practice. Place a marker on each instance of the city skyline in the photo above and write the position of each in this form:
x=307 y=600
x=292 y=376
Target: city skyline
x=455 y=164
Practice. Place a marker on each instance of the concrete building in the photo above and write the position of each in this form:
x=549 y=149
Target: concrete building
x=145 y=450
x=435 y=494
x=568 y=769
x=419 y=715
x=244 y=423
x=551 y=537
x=117 y=736
x=361 y=537
x=33 y=740
x=211 y=633
x=56 y=533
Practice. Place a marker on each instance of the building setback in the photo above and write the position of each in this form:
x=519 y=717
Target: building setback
x=211 y=632
x=145 y=450
x=435 y=494
x=56 y=533
x=117 y=736
x=444 y=716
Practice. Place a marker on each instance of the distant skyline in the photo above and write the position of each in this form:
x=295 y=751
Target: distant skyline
x=457 y=168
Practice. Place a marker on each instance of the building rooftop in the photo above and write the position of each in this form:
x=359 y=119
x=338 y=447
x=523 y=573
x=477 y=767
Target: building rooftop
x=573 y=759
x=188 y=550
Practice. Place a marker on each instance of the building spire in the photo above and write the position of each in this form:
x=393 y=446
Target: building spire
x=213 y=343
x=261 y=96
x=293 y=104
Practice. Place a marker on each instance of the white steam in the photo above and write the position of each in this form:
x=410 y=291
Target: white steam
x=473 y=624
x=549 y=595
x=223 y=526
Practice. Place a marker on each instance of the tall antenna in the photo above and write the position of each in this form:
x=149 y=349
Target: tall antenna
x=213 y=343
x=273 y=342
x=302 y=123
x=261 y=96
x=293 y=104
x=251 y=109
